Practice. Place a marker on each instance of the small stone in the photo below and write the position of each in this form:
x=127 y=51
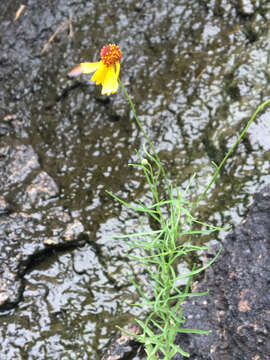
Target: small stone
x=4 y=206
x=21 y=160
x=4 y=129
x=73 y=230
x=246 y=7
x=3 y=298
x=50 y=241
x=9 y=117
x=43 y=187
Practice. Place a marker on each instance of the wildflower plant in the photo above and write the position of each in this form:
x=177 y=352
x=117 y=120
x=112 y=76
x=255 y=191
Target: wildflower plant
x=165 y=247
x=163 y=251
x=106 y=71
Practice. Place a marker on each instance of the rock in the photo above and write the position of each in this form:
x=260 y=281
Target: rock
x=4 y=129
x=23 y=240
x=17 y=162
x=246 y=7
x=42 y=186
x=10 y=288
x=41 y=189
x=4 y=206
x=25 y=236
x=123 y=346
x=237 y=309
x=73 y=230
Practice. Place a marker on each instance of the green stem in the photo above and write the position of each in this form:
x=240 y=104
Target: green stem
x=137 y=119
x=229 y=153
x=144 y=133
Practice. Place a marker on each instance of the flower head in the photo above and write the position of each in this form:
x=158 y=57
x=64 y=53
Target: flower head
x=106 y=70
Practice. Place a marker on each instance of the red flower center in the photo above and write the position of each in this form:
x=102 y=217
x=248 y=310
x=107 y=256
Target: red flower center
x=110 y=54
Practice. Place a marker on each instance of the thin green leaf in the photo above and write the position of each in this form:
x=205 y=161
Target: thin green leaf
x=200 y=269
x=194 y=331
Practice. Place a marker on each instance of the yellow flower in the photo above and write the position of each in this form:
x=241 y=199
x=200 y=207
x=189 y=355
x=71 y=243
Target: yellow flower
x=106 y=70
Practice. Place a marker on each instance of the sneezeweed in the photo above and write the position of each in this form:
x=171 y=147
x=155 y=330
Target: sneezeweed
x=163 y=247
x=106 y=71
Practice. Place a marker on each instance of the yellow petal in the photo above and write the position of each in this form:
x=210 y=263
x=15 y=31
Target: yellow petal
x=100 y=74
x=88 y=67
x=117 y=69
x=110 y=84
